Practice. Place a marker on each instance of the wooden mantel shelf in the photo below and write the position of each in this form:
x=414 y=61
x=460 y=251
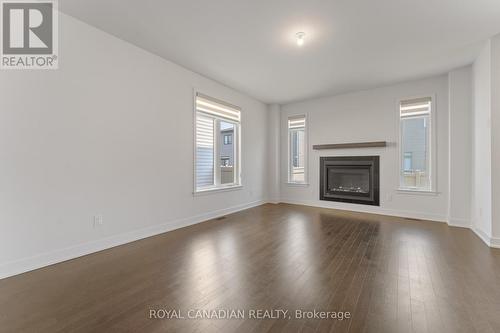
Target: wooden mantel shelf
x=372 y=144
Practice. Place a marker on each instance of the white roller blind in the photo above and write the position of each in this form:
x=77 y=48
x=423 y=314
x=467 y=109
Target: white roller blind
x=298 y=122
x=415 y=107
x=216 y=108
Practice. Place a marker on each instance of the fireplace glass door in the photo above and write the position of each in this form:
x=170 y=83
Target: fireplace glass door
x=350 y=179
x=354 y=180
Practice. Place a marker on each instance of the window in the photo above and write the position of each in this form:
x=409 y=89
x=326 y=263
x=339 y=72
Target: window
x=297 y=149
x=415 y=127
x=217 y=149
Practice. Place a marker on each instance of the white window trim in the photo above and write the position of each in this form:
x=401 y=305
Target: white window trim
x=306 y=151
x=417 y=192
x=237 y=136
x=297 y=184
x=228 y=188
x=433 y=190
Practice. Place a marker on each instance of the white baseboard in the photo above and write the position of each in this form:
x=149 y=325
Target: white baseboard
x=50 y=258
x=488 y=240
x=482 y=235
x=495 y=242
x=275 y=202
x=368 y=209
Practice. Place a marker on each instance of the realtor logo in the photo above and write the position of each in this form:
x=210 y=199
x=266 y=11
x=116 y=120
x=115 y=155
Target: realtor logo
x=29 y=34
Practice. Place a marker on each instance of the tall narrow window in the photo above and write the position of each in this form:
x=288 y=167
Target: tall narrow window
x=415 y=127
x=217 y=144
x=297 y=149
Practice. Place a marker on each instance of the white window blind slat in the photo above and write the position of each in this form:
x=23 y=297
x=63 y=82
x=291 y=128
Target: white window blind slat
x=204 y=151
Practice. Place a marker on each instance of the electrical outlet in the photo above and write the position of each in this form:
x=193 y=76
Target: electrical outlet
x=98 y=220
x=389 y=198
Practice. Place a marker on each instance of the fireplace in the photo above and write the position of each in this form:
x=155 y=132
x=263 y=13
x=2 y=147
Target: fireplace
x=350 y=179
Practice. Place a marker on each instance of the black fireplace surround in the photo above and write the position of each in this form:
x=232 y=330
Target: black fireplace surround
x=353 y=179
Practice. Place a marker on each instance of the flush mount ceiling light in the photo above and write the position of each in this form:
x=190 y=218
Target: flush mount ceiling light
x=300 y=38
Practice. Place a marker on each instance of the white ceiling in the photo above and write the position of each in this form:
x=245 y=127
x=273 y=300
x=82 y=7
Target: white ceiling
x=350 y=44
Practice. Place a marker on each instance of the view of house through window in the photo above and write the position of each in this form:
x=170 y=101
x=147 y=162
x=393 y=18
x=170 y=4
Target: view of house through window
x=297 y=149
x=217 y=150
x=415 y=120
x=226 y=153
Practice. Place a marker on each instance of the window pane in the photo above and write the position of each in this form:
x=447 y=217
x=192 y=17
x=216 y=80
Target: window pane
x=204 y=151
x=297 y=173
x=296 y=149
x=408 y=162
x=415 y=152
x=226 y=152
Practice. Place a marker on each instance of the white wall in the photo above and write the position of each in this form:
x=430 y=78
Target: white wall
x=111 y=133
x=371 y=115
x=460 y=146
x=481 y=179
x=274 y=152
x=495 y=138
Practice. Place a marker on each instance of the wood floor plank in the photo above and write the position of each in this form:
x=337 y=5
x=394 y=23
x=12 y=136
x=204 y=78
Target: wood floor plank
x=391 y=274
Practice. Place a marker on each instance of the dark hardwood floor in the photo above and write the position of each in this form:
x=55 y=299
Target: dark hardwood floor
x=391 y=274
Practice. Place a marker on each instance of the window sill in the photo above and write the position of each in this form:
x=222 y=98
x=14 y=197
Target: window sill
x=297 y=184
x=417 y=192
x=217 y=189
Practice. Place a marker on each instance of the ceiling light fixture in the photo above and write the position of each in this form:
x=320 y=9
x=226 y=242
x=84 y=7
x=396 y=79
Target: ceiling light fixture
x=300 y=38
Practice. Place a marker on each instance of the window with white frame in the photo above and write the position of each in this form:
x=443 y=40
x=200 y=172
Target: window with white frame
x=297 y=159
x=217 y=151
x=416 y=137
